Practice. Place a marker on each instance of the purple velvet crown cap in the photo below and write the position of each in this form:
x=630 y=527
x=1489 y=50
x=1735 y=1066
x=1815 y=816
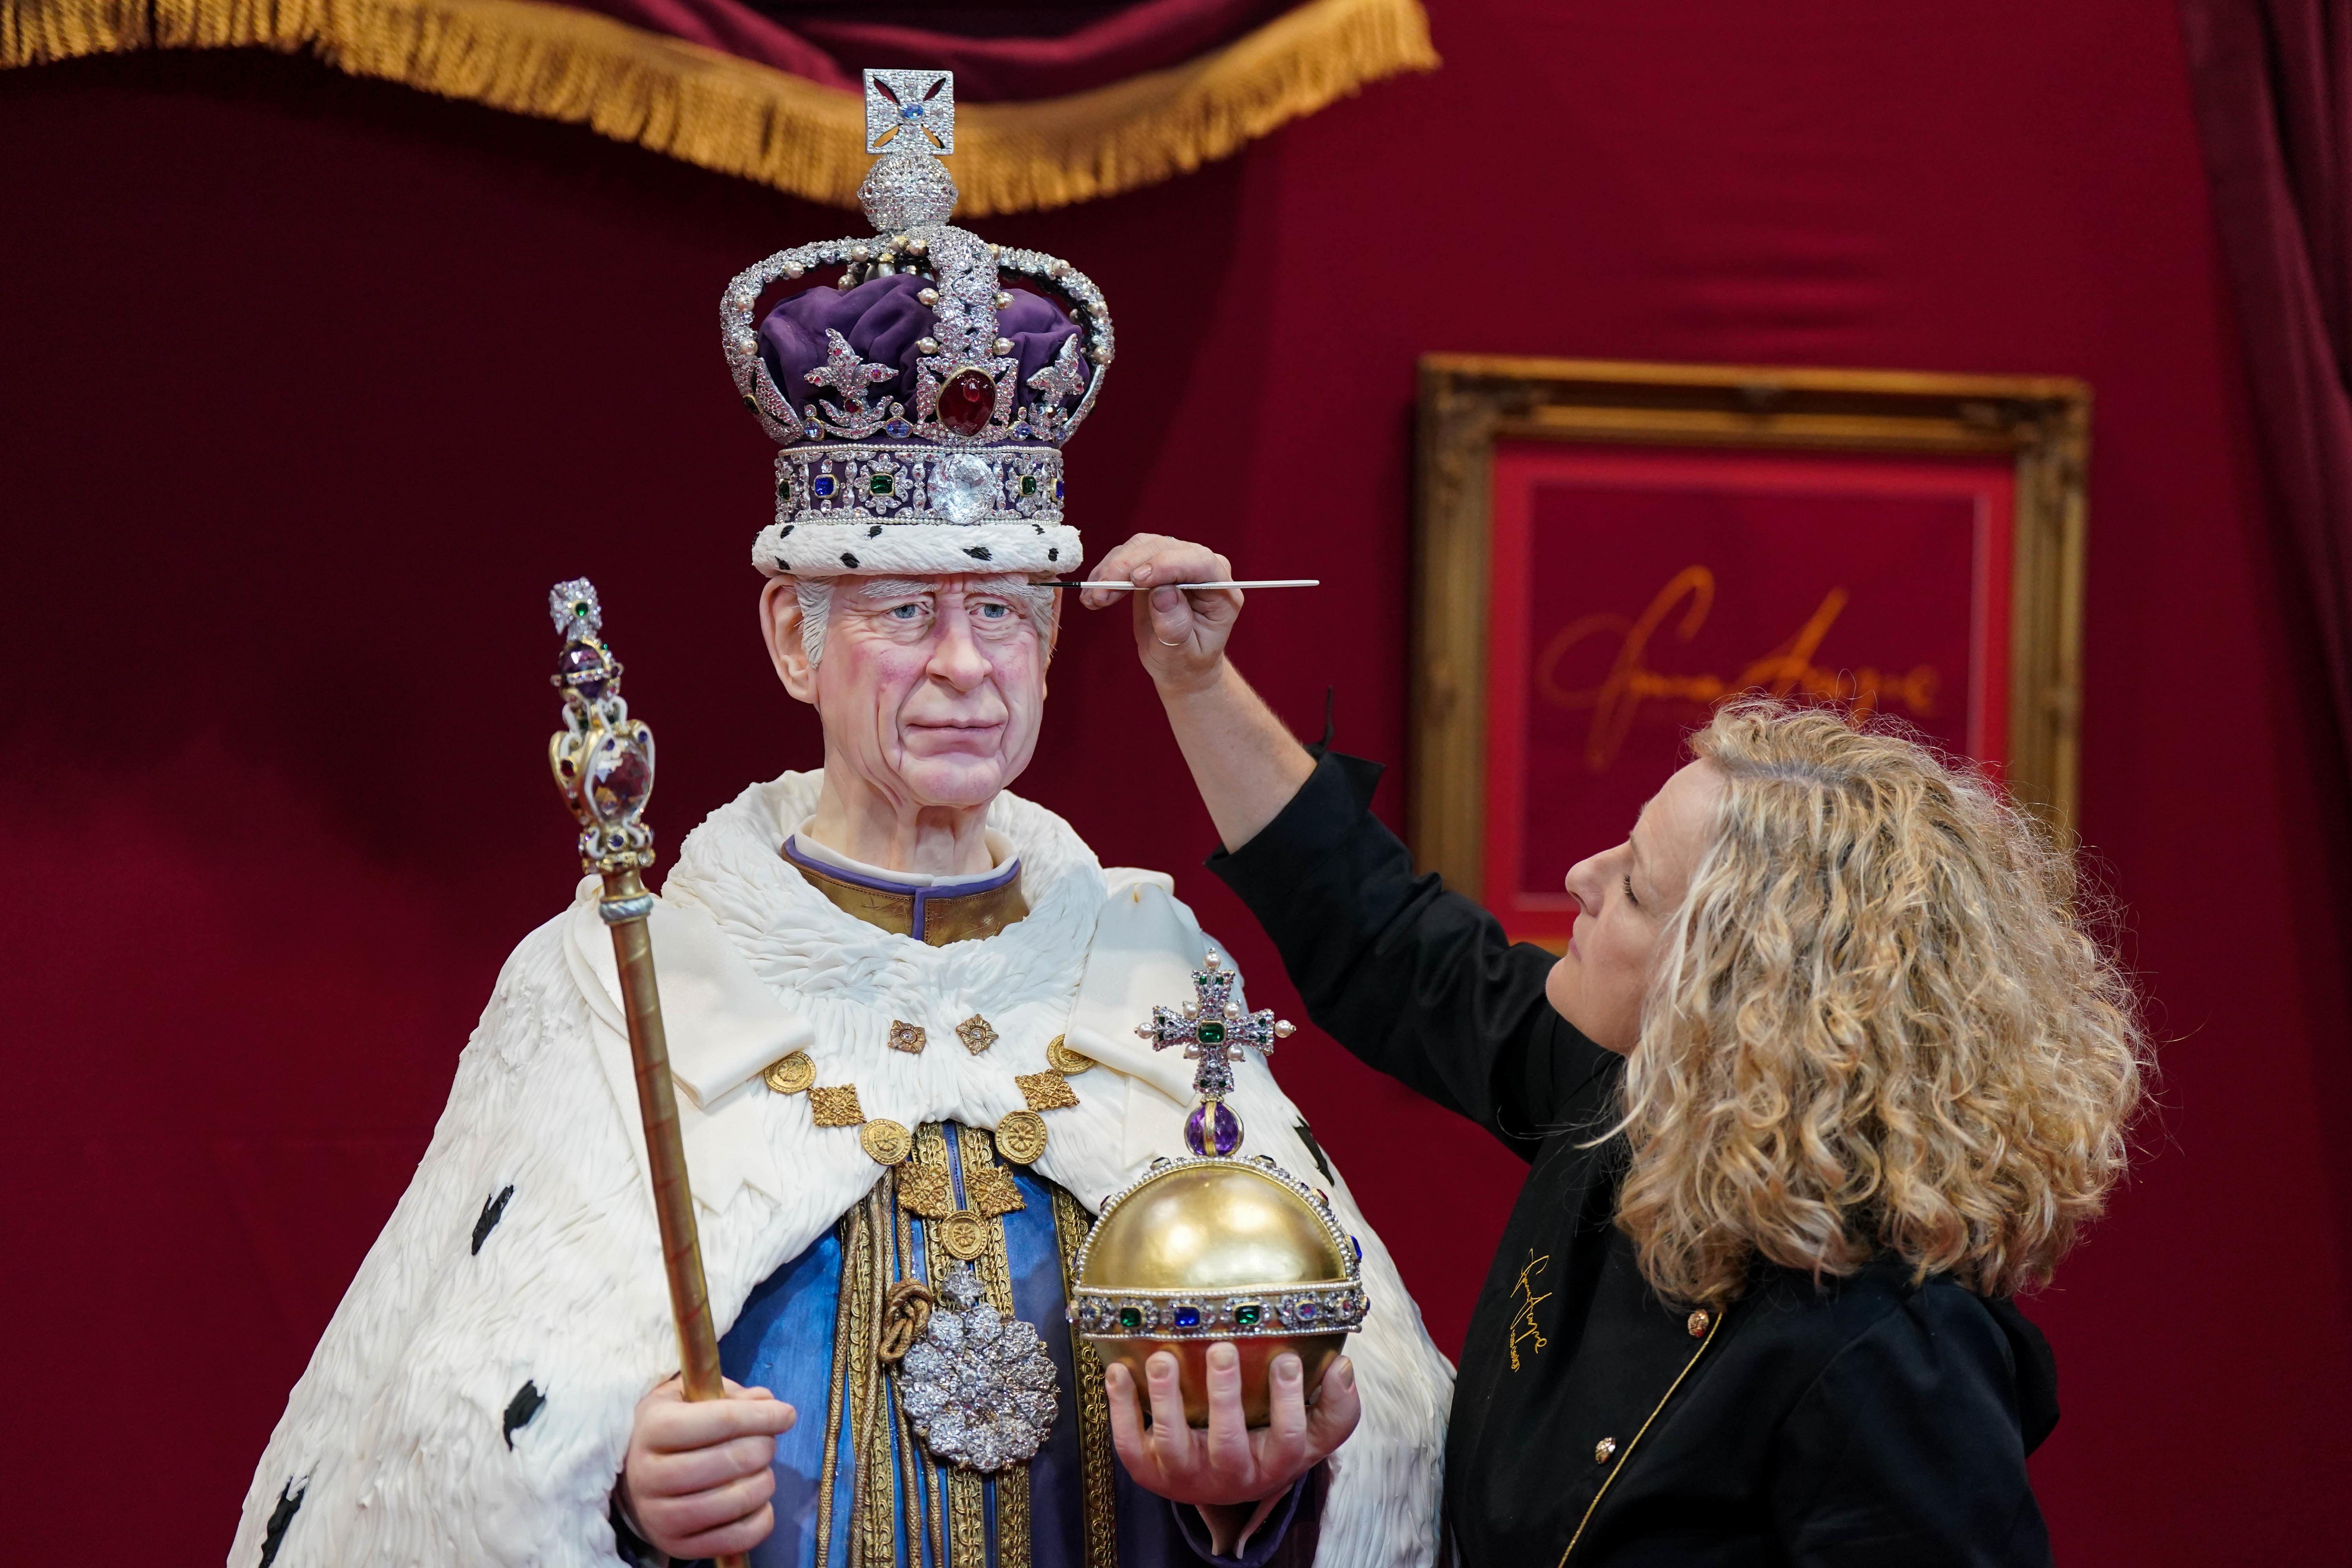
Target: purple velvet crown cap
x=883 y=321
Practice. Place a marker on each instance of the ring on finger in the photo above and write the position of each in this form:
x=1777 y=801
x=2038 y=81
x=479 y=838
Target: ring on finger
x=1164 y=642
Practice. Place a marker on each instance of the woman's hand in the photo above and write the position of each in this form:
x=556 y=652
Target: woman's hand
x=1229 y=1464
x=1180 y=635
x=696 y=1480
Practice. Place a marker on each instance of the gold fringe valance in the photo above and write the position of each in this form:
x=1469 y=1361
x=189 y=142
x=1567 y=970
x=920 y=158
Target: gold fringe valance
x=717 y=112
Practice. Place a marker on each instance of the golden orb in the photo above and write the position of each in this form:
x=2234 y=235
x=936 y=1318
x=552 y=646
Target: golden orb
x=1208 y=1249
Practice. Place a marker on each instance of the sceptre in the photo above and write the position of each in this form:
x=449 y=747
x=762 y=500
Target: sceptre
x=603 y=763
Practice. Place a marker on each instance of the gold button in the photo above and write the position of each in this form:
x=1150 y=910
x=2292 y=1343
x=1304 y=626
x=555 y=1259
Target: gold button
x=964 y=1234
x=908 y=1037
x=1603 y=1450
x=1064 y=1060
x=1021 y=1136
x=975 y=1034
x=886 y=1143
x=1697 y=1323
x=792 y=1074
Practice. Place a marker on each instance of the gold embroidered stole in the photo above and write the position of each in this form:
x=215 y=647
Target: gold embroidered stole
x=945 y=1507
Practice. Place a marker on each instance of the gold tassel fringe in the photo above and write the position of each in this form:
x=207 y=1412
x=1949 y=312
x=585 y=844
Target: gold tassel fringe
x=718 y=112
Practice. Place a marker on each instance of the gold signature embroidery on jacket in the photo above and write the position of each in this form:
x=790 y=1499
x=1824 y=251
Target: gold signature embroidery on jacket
x=1523 y=1321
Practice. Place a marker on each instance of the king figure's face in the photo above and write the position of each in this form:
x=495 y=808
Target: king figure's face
x=931 y=688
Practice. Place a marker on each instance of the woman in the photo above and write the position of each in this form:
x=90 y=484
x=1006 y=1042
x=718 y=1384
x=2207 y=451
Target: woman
x=1829 y=1071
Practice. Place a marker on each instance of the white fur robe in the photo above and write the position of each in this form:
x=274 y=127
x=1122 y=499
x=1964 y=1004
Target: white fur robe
x=394 y=1439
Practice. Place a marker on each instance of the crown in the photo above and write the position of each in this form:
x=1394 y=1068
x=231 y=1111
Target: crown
x=920 y=400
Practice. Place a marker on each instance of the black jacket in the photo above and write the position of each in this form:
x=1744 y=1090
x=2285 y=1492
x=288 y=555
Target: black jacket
x=1865 y=1421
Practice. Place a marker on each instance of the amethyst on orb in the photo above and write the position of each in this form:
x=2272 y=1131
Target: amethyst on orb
x=1213 y=1130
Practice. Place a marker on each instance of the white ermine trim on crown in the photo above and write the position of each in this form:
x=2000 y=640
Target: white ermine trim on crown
x=914 y=549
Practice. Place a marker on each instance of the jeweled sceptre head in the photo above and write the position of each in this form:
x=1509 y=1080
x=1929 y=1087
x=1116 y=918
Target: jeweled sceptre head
x=921 y=397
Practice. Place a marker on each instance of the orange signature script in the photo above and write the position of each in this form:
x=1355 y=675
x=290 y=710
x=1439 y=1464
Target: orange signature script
x=1789 y=667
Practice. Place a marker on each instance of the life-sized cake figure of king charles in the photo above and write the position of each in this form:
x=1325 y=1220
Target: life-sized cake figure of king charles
x=902 y=1006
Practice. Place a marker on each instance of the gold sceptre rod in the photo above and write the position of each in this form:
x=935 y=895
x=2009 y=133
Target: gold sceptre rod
x=603 y=763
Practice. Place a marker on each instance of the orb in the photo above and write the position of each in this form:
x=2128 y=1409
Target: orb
x=1206 y=1249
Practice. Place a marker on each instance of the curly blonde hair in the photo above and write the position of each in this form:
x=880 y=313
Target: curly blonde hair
x=1879 y=1022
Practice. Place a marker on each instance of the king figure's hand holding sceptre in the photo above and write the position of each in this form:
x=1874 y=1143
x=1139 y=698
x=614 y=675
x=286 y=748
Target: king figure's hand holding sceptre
x=603 y=763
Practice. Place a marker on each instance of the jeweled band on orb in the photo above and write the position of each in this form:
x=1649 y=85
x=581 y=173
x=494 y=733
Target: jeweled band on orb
x=1277 y=1311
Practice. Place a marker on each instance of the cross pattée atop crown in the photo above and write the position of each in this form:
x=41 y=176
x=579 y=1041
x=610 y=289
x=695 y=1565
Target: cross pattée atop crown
x=844 y=444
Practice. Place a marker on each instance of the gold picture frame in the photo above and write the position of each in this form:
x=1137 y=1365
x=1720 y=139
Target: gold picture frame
x=1468 y=402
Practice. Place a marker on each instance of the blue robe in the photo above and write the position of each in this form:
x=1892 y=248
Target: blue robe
x=784 y=1341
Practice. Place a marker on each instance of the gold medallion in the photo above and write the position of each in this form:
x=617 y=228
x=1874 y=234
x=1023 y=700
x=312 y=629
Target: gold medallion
x=964 y=1234
x=790 y=1074
x=1064 y=1060
x=1021 y=1137
x=885 y=1141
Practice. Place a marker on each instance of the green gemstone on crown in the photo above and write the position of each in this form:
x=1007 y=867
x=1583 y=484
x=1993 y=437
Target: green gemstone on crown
x=1131 y=1318
x=879 y=484
x=1211 y=1032
x=1028 y=484
x=1247 y=1317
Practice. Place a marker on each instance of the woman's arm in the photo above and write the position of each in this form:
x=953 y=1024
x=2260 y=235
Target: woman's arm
x=1418 y=981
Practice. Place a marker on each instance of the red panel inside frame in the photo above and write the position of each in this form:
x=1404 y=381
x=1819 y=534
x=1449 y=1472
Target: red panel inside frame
x=1634 y=589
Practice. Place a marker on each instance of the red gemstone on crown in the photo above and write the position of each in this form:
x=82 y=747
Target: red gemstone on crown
x=967 y=402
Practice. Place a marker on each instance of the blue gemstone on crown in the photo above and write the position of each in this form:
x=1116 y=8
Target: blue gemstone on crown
x=913 y=110
x=814 y=432
x=1057 y=490
x=897 y=427
x=822 y=486
x=1188 y=1317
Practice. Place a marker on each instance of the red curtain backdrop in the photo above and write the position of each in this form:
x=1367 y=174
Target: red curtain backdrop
x=998 y=53
x=2273 y=95
x=313 y=386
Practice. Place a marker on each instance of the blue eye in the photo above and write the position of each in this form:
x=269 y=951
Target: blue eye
x=905 y=611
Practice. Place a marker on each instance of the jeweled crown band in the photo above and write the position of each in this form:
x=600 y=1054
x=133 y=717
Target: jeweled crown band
x=895 y=483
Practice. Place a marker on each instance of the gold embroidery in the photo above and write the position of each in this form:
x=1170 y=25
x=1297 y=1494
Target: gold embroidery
x=925 y=1189
x=1021 y=1137
x=1012 y=1543
x=965 y=1503
x=1096 y=1479
x=844 y=1331
x=1045 y=1090
x=835 y=1107
x=908 y=1037
x=975 y=1034
x=1523 y=1321
x=874 y=1522
x=924 y=1497
x=990 y=1193
x=790 y=1074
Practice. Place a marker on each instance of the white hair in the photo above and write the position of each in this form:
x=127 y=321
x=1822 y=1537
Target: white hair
x=815 y=596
